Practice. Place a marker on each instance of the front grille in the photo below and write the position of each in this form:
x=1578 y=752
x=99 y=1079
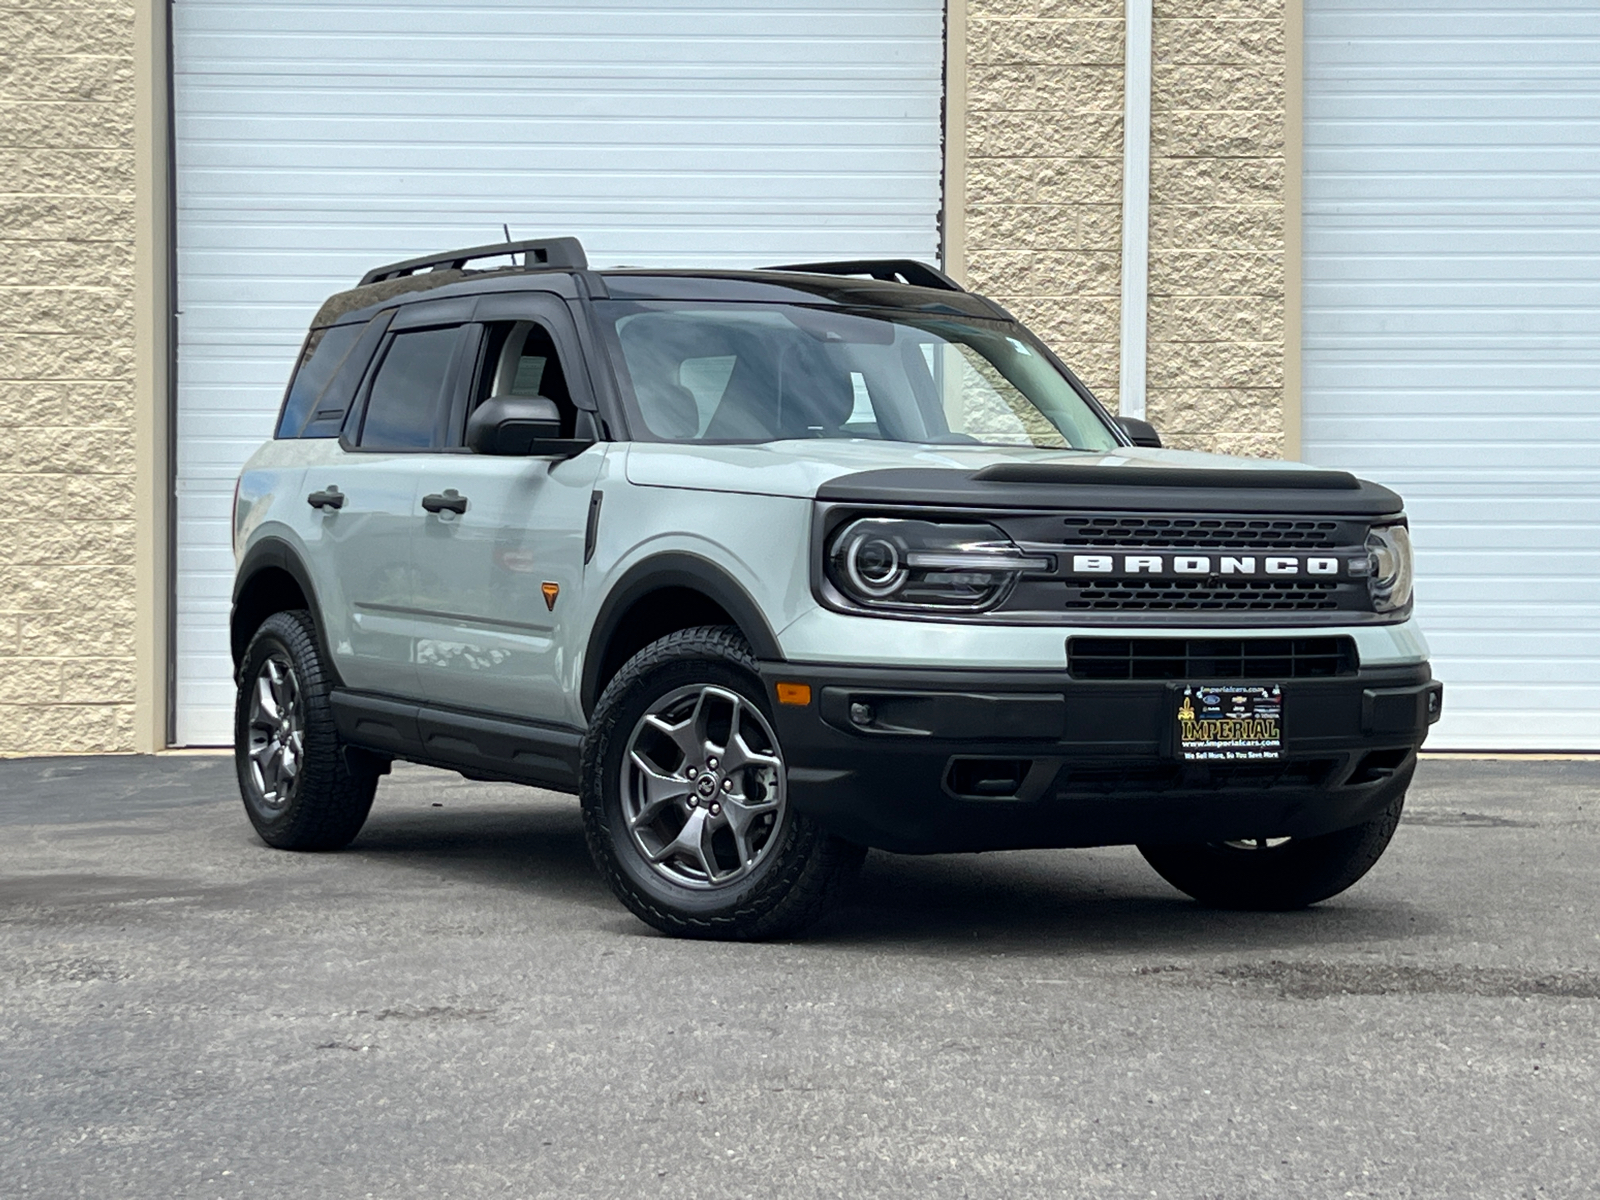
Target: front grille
x=1221 y=533
x=1188 y=777
x=1264 y=595
x=1270 y=659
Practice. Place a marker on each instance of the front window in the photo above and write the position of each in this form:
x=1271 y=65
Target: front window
x=732 y=372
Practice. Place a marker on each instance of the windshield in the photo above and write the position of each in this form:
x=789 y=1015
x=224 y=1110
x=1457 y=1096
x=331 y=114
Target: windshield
x=728 y=372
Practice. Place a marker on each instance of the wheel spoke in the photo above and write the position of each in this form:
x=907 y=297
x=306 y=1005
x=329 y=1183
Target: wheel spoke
x=705 y=728
x=266 y=698
x=738 y=819
x=703 y=850
x=690 y=843
x=660 y=790
x=681 y=735
x=739 y=755
x=742 y=817
x=272 y=764
x=278 y=678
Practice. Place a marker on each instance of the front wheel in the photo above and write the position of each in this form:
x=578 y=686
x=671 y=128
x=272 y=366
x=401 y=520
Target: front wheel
x=1275 y=874
x=685 y=798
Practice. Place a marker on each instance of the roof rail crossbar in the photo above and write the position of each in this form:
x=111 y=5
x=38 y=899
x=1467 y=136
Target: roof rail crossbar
x=890 y=270
x=565 y=253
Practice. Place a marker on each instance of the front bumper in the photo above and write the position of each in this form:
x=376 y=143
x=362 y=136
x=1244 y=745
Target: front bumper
x=960 y=760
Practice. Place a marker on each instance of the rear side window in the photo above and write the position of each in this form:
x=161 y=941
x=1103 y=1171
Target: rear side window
x=406 y=408
x=324 y=350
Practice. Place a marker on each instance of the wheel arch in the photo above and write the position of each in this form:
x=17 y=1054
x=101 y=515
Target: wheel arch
x=661 y=595
x=272 y=578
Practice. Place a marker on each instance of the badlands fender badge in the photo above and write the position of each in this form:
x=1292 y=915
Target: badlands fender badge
x=551 y=591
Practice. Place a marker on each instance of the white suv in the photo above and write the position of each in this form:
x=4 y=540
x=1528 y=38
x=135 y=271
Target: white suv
x=773 y=566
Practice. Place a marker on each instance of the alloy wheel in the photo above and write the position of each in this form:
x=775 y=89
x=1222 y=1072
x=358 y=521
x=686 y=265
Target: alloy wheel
x=277 y=732
x=703 y=787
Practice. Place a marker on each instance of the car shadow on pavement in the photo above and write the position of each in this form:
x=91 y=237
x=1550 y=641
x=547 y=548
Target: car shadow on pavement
x=539 y=849
x=1062 y=899
x=1076 y=899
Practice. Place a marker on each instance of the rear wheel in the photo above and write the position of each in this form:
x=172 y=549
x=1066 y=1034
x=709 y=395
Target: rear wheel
x=297 y=785
x=1268 y=874
x=685 y=798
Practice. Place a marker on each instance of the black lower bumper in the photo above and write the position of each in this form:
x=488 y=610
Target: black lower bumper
x=929 y=761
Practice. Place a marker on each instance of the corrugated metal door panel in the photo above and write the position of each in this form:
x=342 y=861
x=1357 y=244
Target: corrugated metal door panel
x=1451 y=314
x=317 y=140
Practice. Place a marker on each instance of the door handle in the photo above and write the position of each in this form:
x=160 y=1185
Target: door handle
x=329 y=497
x=450 y=501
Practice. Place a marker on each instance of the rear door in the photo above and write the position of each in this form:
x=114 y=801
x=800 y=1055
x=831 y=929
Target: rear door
x=498 y=582
x=363 y=558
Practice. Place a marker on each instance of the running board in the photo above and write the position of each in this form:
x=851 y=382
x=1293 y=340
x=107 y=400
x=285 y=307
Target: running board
x=496 y=748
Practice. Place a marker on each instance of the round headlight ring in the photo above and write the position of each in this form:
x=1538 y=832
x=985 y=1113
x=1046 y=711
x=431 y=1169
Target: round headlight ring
x=875 y=564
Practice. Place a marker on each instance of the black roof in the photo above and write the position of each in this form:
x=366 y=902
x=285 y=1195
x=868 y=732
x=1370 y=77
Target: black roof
x=559 y=264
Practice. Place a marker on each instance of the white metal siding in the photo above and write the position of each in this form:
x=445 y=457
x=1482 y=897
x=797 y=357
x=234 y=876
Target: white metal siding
x=1452 y=332
x=318 y=139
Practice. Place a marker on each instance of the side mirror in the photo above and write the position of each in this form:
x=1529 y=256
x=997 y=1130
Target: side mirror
x=521 y=425
x=1142 y=432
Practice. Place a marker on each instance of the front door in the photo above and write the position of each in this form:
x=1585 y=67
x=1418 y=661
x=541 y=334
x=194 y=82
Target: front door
x=500 y=554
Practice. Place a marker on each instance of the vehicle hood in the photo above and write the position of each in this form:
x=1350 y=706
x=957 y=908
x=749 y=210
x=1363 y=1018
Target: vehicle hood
x=800 y=468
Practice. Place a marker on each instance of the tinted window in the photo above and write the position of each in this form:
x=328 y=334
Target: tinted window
x=324 y=351
x=403 y=412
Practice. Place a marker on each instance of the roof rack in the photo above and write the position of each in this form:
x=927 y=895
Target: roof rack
x=890 y=270
x=562 y=253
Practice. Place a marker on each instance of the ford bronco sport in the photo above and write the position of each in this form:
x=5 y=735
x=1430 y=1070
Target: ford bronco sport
x=772 y=566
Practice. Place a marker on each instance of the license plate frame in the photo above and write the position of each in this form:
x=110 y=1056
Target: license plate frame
x=1229 y=722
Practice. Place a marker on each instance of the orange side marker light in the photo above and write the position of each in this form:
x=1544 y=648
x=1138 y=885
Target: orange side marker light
x=794 y=693
x=551 y=591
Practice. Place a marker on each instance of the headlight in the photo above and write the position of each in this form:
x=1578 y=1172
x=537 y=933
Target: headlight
x=1390 y=582
x=890 y=563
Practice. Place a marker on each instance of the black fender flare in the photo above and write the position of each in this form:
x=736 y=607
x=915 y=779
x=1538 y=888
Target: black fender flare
x=674 y=569
x=274 y=553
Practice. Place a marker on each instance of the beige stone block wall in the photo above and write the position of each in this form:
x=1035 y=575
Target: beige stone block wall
x=1044 y=172
x=1044 y=200
x=66 y=377
x=1216 y=348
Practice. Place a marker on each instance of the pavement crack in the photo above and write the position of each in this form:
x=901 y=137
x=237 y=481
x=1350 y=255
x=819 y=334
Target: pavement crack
x=1450 y=819
x=434 y=1012
x=1319 y=981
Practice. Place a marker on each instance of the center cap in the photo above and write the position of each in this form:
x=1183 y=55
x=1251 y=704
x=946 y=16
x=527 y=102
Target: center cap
x=706 y=785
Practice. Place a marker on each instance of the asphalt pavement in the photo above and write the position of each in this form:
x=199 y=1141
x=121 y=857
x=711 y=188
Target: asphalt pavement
x=456 y=1007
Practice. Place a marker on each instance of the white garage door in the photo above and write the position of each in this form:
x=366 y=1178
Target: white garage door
x=317 y=140
x=1452 y=332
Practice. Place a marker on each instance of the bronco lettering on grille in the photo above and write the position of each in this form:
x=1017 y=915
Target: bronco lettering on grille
x=1220 y=564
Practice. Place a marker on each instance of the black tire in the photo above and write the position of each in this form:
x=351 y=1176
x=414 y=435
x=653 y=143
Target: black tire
x=1276 y=878
x=324 y=805
x=799 y=869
